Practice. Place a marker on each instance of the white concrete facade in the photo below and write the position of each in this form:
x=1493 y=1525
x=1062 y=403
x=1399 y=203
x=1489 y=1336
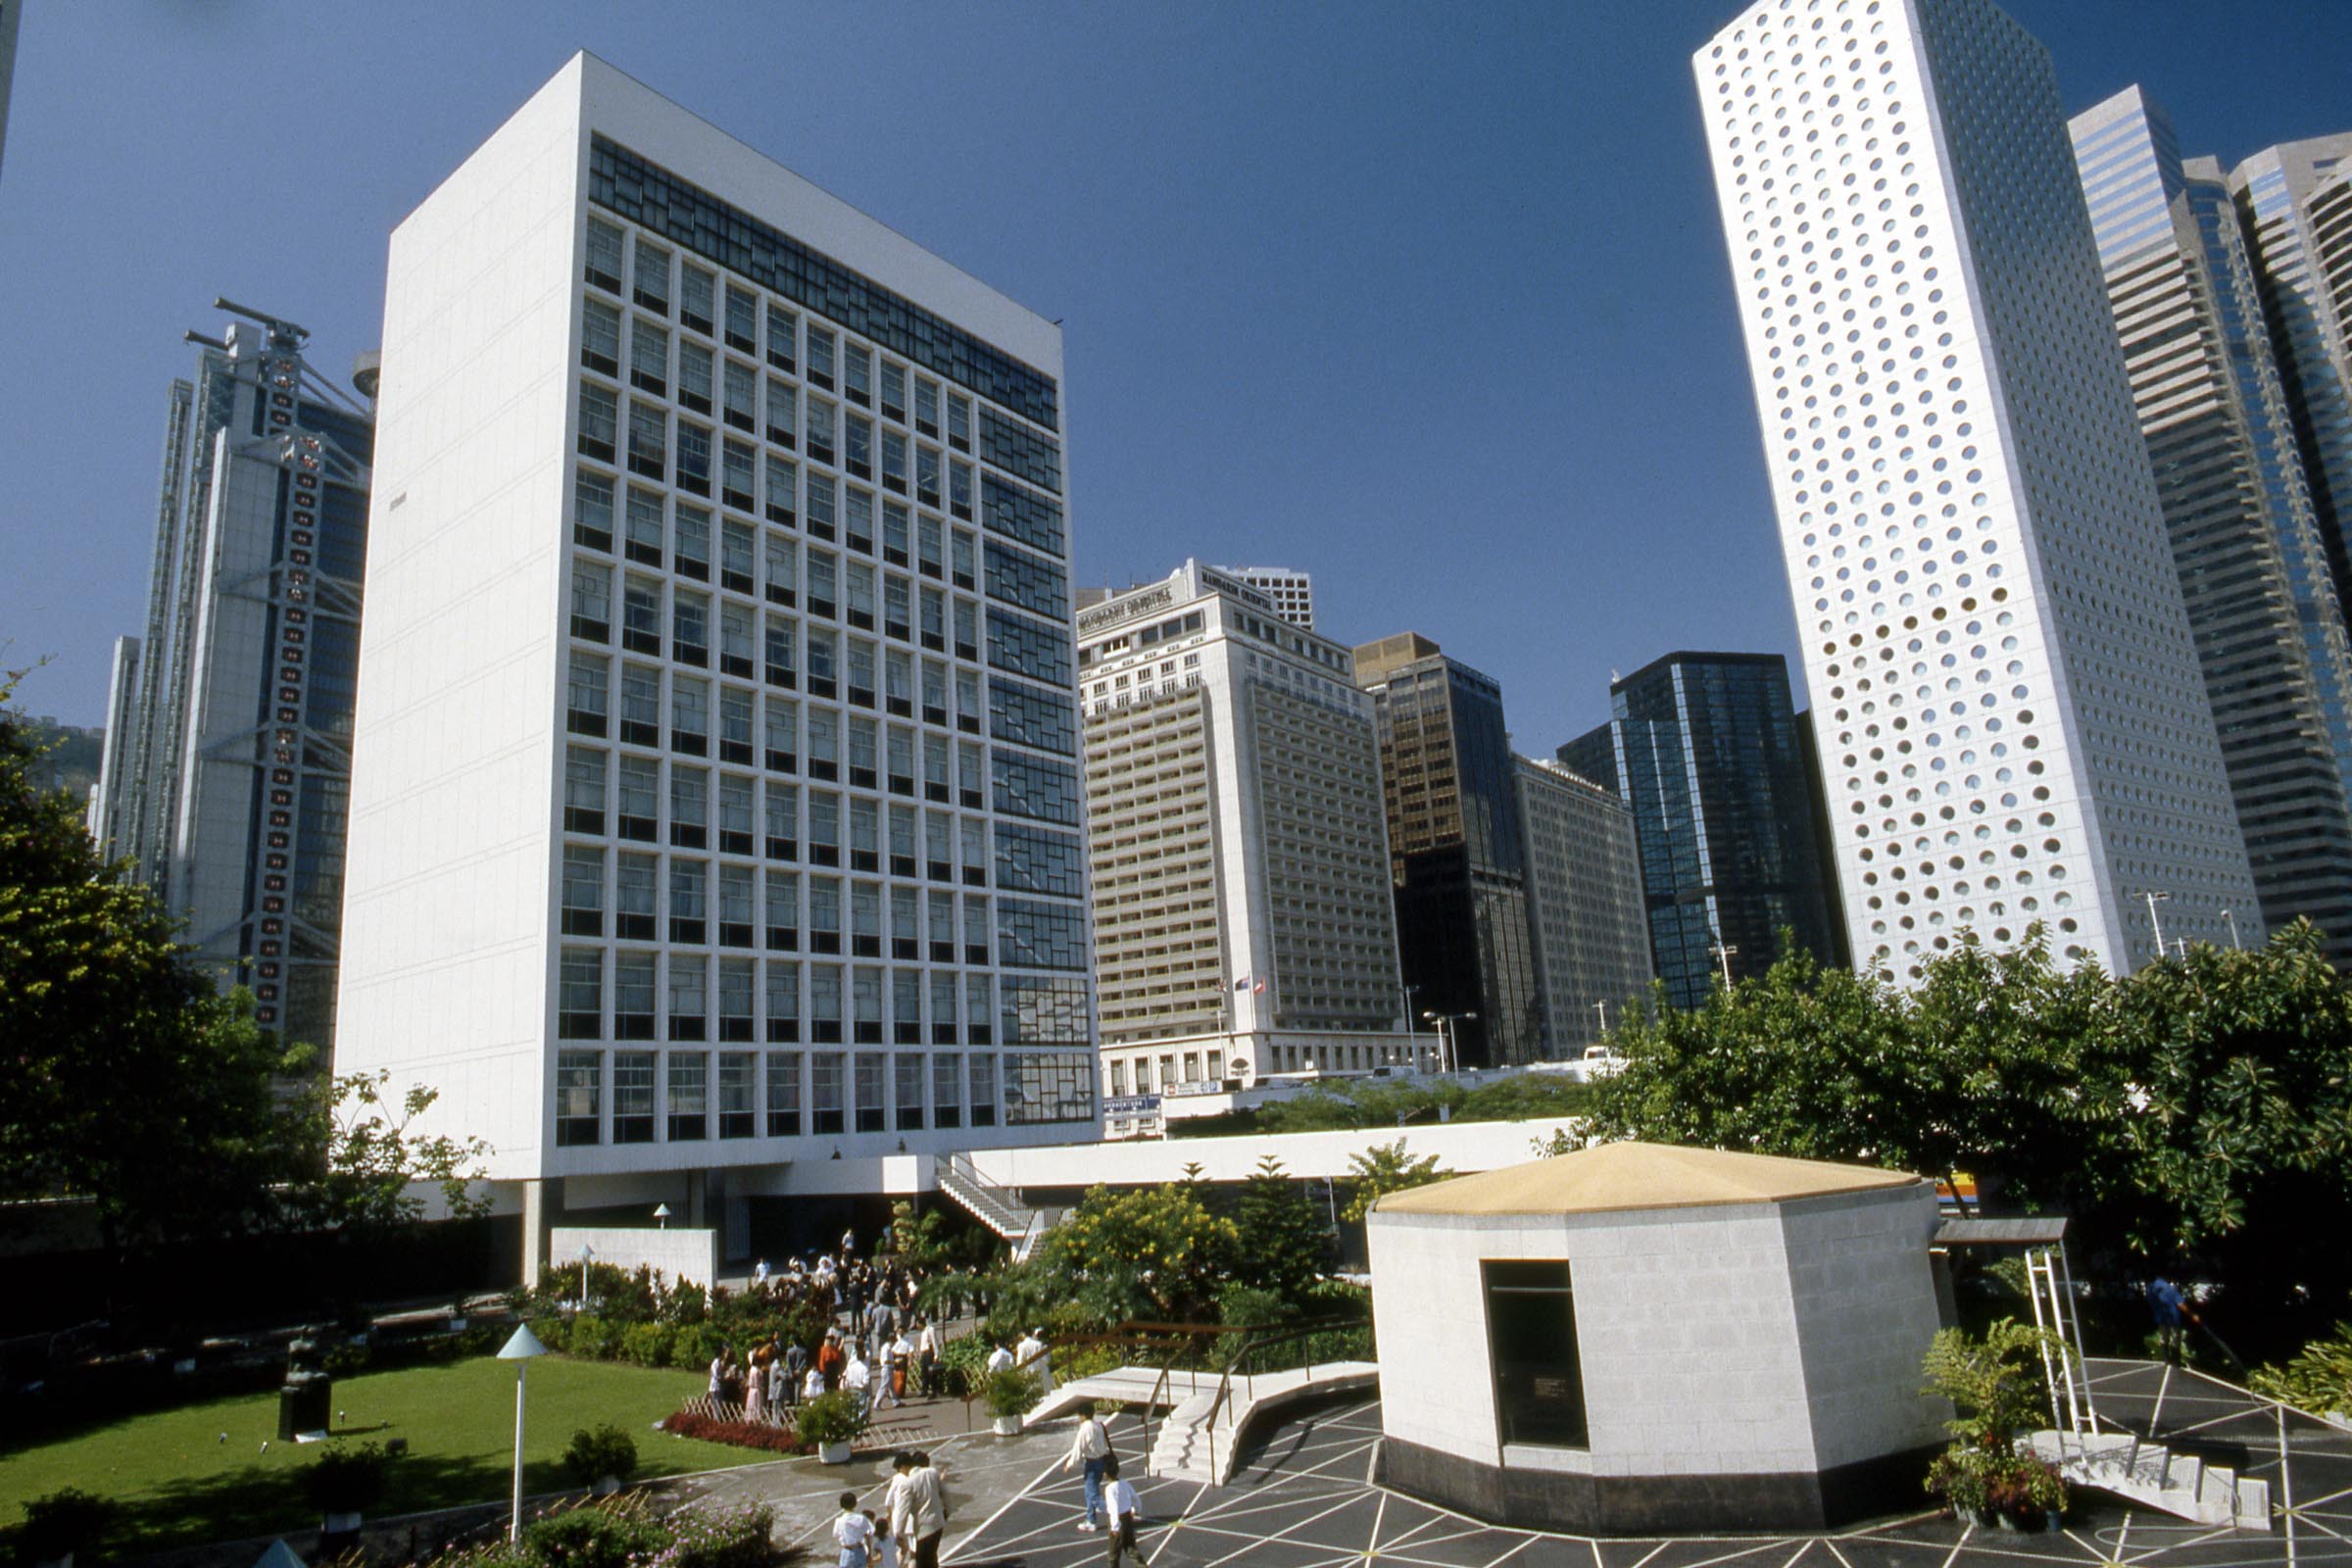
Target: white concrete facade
x=1753 y=1338
x=1291 y=591
x=681 y=1254
x=2013 y=721
x=495 y=942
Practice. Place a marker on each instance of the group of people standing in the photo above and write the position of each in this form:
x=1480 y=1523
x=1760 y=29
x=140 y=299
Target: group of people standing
x=879 y=1346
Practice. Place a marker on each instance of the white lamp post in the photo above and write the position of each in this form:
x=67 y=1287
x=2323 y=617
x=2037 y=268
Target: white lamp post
x=586 y=1252
x=1449 y=1044
x=521 y=1349
x=662 y=1215
x=1723 y=953
x=2154 y=925
x=2235 y=944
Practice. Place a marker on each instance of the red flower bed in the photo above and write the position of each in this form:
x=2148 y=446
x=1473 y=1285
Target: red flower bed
x=742 y=1433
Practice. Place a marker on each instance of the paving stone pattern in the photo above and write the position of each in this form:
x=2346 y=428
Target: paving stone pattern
x=1304 y=1498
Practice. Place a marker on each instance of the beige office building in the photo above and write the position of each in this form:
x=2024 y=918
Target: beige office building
x=1243 y=919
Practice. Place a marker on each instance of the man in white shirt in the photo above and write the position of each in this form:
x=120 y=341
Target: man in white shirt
x=1031 y=1355
x=998 y=1359
x=1090 y=1448
x=857 y=1378
x=927 y=1510
x=926 y=1349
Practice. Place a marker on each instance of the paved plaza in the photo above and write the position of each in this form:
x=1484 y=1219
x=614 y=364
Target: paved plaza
x=1305 y=1499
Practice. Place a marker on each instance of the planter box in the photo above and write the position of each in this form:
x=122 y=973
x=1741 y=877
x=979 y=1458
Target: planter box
x=1008 y=1426
x=833 y=1454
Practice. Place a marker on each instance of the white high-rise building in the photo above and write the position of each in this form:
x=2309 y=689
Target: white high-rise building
x=1242 y=913
x=715 y=826
x=2013 y=727
x=1291 y=593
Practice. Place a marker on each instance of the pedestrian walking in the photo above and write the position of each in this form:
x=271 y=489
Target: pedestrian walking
x=1032 y=1355
x=795 y=1366
x=1090 y=1451
x=1120 y=1502
x=927 y=1349
x=927 y=1510
x=999 y=1360
x=854 y=1534
x=2168 y=1303
x=858 y=1378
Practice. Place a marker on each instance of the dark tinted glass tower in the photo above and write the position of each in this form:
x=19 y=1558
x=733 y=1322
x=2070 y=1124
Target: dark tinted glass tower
x=1706 y=749
x=1456 y=846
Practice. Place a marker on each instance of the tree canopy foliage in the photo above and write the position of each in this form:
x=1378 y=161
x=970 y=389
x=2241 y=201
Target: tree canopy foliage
x=125 y=1077
x=1386 y=1168
x=130 y=1080
x=1398 y=1103
x=2198 y=1112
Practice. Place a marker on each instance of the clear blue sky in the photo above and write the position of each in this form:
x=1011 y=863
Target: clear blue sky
x=1429 y=300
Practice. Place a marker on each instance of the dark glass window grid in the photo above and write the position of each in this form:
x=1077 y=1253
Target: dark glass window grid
x=1020 y=578
x=622 y=182
x=1022 y=515
x=1019 y=451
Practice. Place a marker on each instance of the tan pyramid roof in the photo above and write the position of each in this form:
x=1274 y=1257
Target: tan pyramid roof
x=1635 y=1176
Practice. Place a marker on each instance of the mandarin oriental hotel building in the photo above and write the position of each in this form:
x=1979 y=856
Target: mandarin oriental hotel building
x=716 y=820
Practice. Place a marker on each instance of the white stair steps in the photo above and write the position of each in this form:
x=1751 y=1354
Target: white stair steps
x=2154 y=1475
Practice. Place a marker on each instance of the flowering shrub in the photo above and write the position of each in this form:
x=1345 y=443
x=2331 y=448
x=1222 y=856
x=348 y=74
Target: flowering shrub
x=628 y=1535
x=742 y=1433
x=718 y=1538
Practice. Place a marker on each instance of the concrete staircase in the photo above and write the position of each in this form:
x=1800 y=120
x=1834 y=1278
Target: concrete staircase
x=1192 y=1445
x=996 y=1208
x=2149 y=1474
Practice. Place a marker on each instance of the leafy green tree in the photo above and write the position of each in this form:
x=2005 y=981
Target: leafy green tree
x=1386 y=1168
x=2195 y=1114
x=1286 y=1244
x=127 y=1079
x=1154 y=1253
x=361 y=1162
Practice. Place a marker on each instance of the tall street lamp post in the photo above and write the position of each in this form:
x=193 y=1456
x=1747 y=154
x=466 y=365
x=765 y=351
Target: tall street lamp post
x=1450 y=1044
x=521 y=1349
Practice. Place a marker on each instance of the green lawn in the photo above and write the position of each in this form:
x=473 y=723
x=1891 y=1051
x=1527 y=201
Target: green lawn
x=178 y=1484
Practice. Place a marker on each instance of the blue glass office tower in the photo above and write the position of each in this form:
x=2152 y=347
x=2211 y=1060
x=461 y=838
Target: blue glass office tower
x=1706 y=749
x=2247 y=540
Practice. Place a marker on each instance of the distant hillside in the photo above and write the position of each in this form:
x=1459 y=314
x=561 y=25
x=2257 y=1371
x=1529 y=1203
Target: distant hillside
x=70 y=760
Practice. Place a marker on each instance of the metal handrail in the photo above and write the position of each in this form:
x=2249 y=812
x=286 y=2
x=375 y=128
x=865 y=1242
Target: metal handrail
x=1250 y=1346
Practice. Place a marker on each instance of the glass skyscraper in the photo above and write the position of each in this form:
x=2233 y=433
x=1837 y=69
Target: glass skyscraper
x=2252 y=556
x=2295 y=200
x=1706 y=749
x=1456 y=846
x=226 y=774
